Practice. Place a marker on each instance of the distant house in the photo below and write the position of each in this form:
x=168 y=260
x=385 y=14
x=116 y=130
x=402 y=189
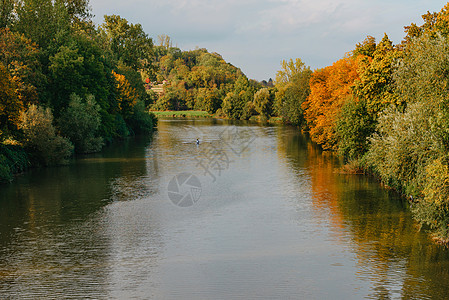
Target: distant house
x=159 y=88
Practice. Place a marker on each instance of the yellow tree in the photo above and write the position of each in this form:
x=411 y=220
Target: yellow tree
x=20 y=56
x=375 y=85
x=330 y=87
x=126 y=95
x=292 y=83
x=10 y=104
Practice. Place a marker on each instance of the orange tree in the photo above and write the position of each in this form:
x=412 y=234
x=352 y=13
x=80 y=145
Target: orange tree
x=126 y=95
x=10 y=104
x=330 y=87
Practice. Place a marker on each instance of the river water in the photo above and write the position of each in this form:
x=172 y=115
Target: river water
x=252 y=212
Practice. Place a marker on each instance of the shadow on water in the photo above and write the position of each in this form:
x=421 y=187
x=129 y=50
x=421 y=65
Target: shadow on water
x=391 y=252
x=47 y=229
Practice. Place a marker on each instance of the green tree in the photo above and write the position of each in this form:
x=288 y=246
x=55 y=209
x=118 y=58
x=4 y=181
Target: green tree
x=42 y=20
x=375 y=85
x=67 y=68
x=128 y=42
x=237 y=104
x=80 y=123
x=263 y=103
x=434 y=23
x=409 y=149
x=80 y=66
x=354 y=126
x=6 y=12
x=365 y=48
x=292 y=83
x=422 y=72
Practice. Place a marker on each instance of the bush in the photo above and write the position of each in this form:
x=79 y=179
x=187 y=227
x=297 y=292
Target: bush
x=404 y=144
x=40 y=137
x=263 y=103
x=433 y=210
x=121 y=129
x=142 y=121
x=80 y=123
x=354 y=126
x=234 y=106
x=13 y=159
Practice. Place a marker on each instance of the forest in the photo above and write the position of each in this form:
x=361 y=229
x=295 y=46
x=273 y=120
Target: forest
x=69 y=86
x=66 y=85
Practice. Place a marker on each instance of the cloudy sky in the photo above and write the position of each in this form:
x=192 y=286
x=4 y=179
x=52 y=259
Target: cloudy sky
x=256 y=35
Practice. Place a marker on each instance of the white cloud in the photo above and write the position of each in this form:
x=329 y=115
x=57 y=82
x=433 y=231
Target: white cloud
x=256 y=35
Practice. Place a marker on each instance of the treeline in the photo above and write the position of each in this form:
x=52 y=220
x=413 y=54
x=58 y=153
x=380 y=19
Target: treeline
x=385 y=109
x=199 y=80
x=67 y=85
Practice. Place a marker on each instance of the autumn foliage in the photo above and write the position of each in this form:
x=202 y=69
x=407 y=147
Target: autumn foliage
x=330 y=87
x=10 y=104
x=126 y=95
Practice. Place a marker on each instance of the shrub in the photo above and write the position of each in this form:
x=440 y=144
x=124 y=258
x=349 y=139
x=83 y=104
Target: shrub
x=13 y=159
x=121 y=129
x=142 y=121
x=433 y=209
x=80 y=123
x=354 y=126
x=263 y=103
x=404 y=144
x=40 y=137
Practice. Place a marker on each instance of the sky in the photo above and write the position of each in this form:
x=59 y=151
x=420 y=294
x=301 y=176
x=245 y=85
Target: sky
x=256 y=35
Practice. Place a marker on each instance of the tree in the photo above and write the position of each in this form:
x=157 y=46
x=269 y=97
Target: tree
x=263 y=103
x=78 y=10
x=353 y=126
x=292 y=83
x=237 y=103
x=410 y=146
x=128 y=42
x=126 y=95
x=80 y=123
x=6 y=12
x=67 y=68
x=42 y=20
x=40 y=137
x=330 y=88
x=422 y=72
x=164 y=41
x=80 y=67
x=434 y=23
x=365 y=48
x=375 y=85
x=10 y=104
x=21 y=57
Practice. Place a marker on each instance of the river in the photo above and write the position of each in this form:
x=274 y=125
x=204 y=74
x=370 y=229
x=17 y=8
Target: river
x=252 y=212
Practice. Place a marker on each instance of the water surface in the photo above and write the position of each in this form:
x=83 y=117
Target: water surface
x=272 y=218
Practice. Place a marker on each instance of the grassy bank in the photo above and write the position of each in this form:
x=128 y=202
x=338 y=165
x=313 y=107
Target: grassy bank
x=182 y=114
x=204 y=114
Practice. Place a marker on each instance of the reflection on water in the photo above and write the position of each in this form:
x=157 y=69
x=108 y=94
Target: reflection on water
x=278 y=222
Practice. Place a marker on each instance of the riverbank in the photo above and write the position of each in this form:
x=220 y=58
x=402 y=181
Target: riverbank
x=182 y=114
x=16 y=157
x=205 y=114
